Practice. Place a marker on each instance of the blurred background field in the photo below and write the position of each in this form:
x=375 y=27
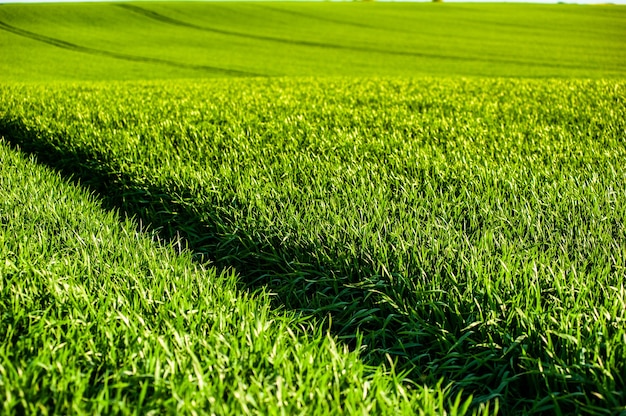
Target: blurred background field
x=197 y=40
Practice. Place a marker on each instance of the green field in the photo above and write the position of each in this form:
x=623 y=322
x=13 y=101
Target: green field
x=196 y=40
x=312 y=208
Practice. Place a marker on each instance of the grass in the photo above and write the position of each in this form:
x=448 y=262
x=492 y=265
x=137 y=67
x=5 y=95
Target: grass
x=97 y=317
x=470 y=231
x=163 y=40
x=279 y=208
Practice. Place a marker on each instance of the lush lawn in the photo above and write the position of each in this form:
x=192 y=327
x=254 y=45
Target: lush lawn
x=196 y=40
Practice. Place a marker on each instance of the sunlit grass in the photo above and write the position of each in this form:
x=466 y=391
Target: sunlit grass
x=472 y=231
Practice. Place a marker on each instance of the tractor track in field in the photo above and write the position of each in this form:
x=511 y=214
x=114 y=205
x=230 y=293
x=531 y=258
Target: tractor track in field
x=116 y=55
x=298 y=42
x=319 y=18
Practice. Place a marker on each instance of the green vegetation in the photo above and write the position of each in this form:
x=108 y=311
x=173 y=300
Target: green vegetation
x=99 y=318
x=198 y=40
x=472 y=231
x=276 y=208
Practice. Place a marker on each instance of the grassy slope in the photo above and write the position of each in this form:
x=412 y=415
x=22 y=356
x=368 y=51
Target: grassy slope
x=309 y=39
